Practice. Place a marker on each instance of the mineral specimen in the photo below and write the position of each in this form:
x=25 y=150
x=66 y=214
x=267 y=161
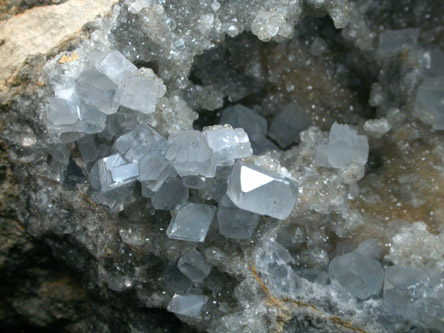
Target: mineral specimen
x=310 y=131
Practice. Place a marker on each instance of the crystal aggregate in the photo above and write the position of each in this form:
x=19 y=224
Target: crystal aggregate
x=204 y=175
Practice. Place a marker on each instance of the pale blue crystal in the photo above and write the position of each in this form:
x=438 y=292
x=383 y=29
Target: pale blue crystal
x=191 y=222
x=259 y=191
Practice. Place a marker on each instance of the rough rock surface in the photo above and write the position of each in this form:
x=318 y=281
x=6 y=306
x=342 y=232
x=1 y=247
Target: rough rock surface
x=76 y=260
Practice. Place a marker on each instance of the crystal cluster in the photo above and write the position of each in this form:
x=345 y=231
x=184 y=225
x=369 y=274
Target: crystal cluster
x=109 y=80
x=256 y=187
x=344 y=147
x=183 y=278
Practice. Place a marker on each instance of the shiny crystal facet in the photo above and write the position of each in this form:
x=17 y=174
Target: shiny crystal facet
x=259 y=191
x=187 y=305
x=194 y=265
x=191 y=222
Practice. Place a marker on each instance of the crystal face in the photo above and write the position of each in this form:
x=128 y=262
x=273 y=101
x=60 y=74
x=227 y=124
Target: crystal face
x=360 y=275
x=344 y=147
x=219 y=134
x=288 y=124
x=194 y=266
x=114 y=171
x=98 y=90
x=191 y=222
x=187 y=305
x=189 y=153
x=255 y=190
x=234 y=222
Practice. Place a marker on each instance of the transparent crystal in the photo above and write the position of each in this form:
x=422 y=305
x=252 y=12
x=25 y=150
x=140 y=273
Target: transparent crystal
x=191 y=222
x=139 y=142
x=227 y=144
x=396 y=41
x=138 y=93
x=170 y=195
x=70 y=115
x=194 y=265
x=344 y=147
x=114 y=171
x=259 y=191
x=176 y=280
x=189 y=153
x=187 y=305
x=287 y=125
x=116 y=66
x=430 y=101
x=360 y=275
x=234 y=222
x=97 y=90
x=371 y=248
x=243 y=117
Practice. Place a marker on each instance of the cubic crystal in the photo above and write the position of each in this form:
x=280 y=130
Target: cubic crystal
x=135 y=144
x=243 y=117
x=344 y=147
x=194 y=265
x=170 y=195
x=234 y=222
x=176 y=280
x=189 y=153
x=191 y=222
x=227 y=144
x=116 y=66
x=138 y=93
x=395 y=42
x=97 y=90
x=287 y=125
x=259 y=191
x=187 y=305
x=114 y=171
x=360 y=275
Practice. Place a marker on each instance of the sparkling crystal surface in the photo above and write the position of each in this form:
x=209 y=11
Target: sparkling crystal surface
x=187 y=305
x=191 y=222
x=256 y=190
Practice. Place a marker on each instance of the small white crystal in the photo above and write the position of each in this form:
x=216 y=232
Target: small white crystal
x=227 y=144
x=344 y=147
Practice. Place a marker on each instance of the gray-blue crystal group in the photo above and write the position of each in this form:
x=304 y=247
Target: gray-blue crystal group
x=214 y=162
x=168 y=168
